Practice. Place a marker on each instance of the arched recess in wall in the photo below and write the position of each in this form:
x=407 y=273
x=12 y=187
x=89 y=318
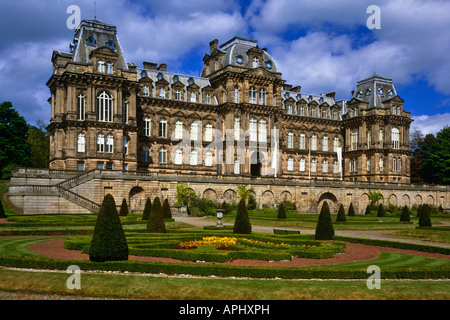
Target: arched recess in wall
x=229 y=195
x=406 y=200
x=210 y=194
x=330 y=199
x=268 y=199
x=364 y=201
x=418 y=200
x=136 y=199
x=286 y=196
x=430 y=200
x=392 y=200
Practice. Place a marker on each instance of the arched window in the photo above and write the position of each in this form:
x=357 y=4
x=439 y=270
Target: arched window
x=104 y=106
x=178 y=160
x=100 y=142
x=395 y=138
x=194 y=131
x=178 y=130
x=193 y=158
x=314 y=142
x=252 y=95
x=302 y=141
x=81 y=143
x=262 y=96
x=145 y=154
x=162 y=130
x=302 y=165
x=290 y=164
x=237 y=128
x=208 y=159
x=255 y=62
x=262 y=132
x=236 y=94
x=110 y=143
x=146 y=127
x=253 y=129
x=381 y=138
x=208 y=132
x=101 y=66
x=290 y=140
x=335 y=144
x=109 y=67
x=325 y=143
x=162 y=155
x=81 y=107
x=324 y=166
x=313 y=165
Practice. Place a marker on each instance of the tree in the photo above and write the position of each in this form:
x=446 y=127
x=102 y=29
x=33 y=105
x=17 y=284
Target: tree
x=147 y=209
x=244 y=192
x=242 y=222
x=39 y=142
x=2 y=211
x=341 y=213
x=424 y=216
x=416 y=156
x=167 y=212
x=367 y=210
x=155 y=221
x=324 y=228
x=351 y=210
x=381 y=211
x=281 y=211
x=436 y=164
x=374 y=197
x=405 y=214
x=185 y=196
x=108 y=241
x=14 y=149
x=124 y=208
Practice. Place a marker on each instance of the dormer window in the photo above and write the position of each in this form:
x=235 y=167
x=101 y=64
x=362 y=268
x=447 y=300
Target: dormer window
x=368 y=91
x=144 y=74
x=381 y=92
x=175 y=78
x=111 y=44
x=239 y=59
x=160 y=76
x=255 y=62
x=145 y=91
x=90 y=42
x=269 y=64
x=359 y=95
x=391 y=93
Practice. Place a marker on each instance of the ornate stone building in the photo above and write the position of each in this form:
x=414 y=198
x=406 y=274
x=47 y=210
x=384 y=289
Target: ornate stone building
x=112 y=115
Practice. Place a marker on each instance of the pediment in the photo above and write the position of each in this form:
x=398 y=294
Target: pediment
x=162 y=82
x=395 y=99
x=209 y=117
x=105 y=51
x=163 y=112
x=179 y=114
x=194 y=116
x=289 y=100
x=260 y=72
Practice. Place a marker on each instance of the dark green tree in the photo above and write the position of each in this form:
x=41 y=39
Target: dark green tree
x=367 y=210
x=167 y=212
x=124 y=208
x=147 y=209
x=341 y=213
x=416 y=162
x=324 y=228
x=281 y=211
x=436 y=162
x=424 y=216
x=108 y=241
x=155 y=223
x=2 y=211
x=242 y=222
x=405 y=214
x=381 y=211
x=351 y=210
x=39 y=142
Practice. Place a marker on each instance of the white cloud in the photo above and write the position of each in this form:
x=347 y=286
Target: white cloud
x=430 y=124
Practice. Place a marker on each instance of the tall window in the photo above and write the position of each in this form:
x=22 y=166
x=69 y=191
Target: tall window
x=302 y=141
x=395 y=138
x=313 y=165
x=262 y=96
x=145 y=91
x=255 y=62
x=194 y=131
x=380 y=138
x=237 y=128
x=100 y=142
x=178 y=130
x=396 y=164
x=162 y=130
x=101 y=66
x=109 y=143
x=335 y=166
x=146 y=127
x=354 y=139
x=290 y=164
x=313 y=112
x=335 y=144
x=178 y=157
x=162 y=92
x=193 y=158
x=236 y=166
x=104 y=106
x=162 y=155
x=324 y=166
x=177 y=95
x=236 y=94
x=262 y=132
x=253 y=129
x=109 y=68
x=208 y=132
x=125 y=145
x=145 y=154
x=193 y=97
x=252 y=95
x=314 y=142
x=380 y=164
x=208 y=98
x=208 y=159
x=368 y=165
x=369 y=139
x=125 y=111
x=325 y=143
x=290 y=140
x=81 y=107
x=302 y=164
x=81 y=143
x=289 y=109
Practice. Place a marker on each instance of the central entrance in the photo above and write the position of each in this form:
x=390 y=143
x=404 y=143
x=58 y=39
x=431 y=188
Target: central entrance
x=255 y=164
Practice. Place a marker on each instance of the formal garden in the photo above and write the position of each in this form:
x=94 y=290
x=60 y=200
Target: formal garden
x=116 y=242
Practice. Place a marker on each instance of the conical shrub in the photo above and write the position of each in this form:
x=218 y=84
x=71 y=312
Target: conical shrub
x=147 y=209
x=167 y=212
x=381 y=211
x=351 y=210
x=242 y=223
x=124 y=208
x=405 y=214
x=2 y=212
x=108 y=241
x=367 y=212
x=281 y=211
x=424 y=216
x=324 y=228
x=155 y=222
x=341 y=214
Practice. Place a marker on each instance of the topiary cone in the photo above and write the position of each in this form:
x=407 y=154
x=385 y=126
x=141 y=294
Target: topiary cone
x=324 y=228
x=155 y=222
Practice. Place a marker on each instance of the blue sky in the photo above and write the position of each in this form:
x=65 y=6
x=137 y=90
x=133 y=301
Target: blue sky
x=321 y=45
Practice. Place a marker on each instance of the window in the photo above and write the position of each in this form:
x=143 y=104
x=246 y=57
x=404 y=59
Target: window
x=325 y=143
x=162 y=155
x=354 y=139
x=125 y=111
x=395 y=138
x=302 y=164
x=313 y=165
x=324 y=166
x=104 y=106
x=178 y=130
x=262 y=132
x=335 y=166
x=80 y=166
x=109 y=143
x=290 y=164
x=255 y=62
x=90 y=41
x=335 y=144
x=396 y=164
x=369 y=139
x=145 y=91
x=208 y=132
x=145 y=154
x=193 y=158
x=302 y=141
x=100 y=165
x=109 y=166
x=252 y=95
x=101 y=66
x=193 y=97
x=314 y=142
x=302 y=111
x=81 y=143
x=335 y=115
x=111 y=44
x=109 y=68
x=194 y=131
x=290 y=140
x=380 y=138
x=178 y=157
x=380 y=164
x=313 y=112
x=125 y=145
x=236 y=166
x=236 y=94
x=177 y=95
x=81 y=105
x=208 y=159
x=324 y=114
x=262 y=96
x=100 y=142
x=253 y=129
x=289 y=109
x=237 y=128
x=162 y=92
x=146 y=127
x=368 y=165
x=162 y=130
x=208 y=98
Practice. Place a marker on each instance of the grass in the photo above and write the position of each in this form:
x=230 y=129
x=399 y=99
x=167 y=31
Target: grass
x=435 y=235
